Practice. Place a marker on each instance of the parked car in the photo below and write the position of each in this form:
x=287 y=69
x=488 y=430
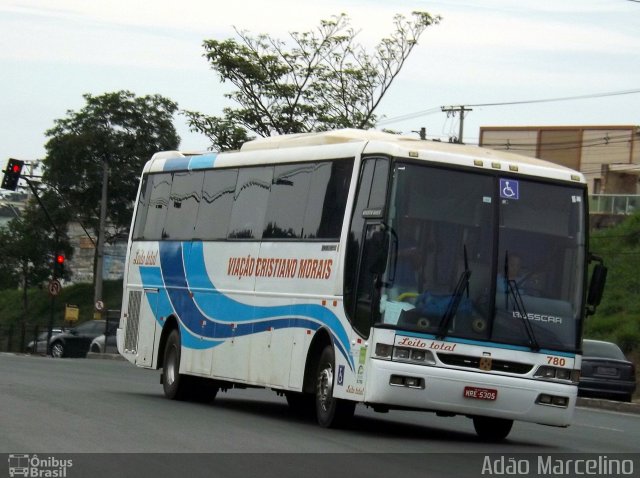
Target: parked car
x=39 y=345
x=97 y=345
x=75 y=342
x=606 y=372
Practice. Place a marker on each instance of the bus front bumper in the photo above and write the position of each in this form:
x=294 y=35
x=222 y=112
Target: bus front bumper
x=402 y=385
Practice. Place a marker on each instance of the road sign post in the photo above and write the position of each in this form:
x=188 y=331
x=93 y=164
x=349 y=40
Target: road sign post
x=71 y=313
x=54 y=287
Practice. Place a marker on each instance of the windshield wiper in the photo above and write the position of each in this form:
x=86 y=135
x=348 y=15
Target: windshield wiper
x=513 y=289
x=463 y=283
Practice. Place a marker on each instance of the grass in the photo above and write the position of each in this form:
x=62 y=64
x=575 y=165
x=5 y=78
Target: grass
x=39 y=304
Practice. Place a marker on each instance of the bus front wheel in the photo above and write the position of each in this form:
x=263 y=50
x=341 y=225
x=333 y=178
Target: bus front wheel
x=331 y=412
x=492 y=429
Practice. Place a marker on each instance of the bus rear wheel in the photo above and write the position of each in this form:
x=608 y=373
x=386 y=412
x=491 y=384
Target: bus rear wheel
x=173 y=383
x=331 y=412
x=492 y=429
x=178 y=386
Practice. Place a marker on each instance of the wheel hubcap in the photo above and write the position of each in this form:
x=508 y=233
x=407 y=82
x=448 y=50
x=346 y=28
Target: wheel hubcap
x=170 y=372
x=56 y=350
x=325 y=387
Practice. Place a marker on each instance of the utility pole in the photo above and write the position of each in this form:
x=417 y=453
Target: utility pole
x=422 y=133
x=97 y=297
x=451 y=111
x=53 y=262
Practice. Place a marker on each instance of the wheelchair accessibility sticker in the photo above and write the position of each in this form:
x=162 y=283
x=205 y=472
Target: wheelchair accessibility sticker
x=509 y=189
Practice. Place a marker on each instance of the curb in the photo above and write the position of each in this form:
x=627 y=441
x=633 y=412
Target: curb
x=101 y=356
x=612 y=405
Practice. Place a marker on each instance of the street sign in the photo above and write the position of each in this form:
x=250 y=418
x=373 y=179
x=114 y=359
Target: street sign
x=54 y=287
x=99 y=305
x=71 y=313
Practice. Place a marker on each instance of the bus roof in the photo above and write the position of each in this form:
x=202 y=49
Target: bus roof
x=366 y=142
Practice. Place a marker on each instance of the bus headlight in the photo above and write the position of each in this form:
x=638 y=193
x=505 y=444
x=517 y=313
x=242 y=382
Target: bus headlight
x=401 y=353
x=555 y=373
x=405 y=354
x=383 y=351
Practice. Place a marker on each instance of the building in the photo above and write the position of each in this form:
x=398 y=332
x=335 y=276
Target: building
x=11 y=205
x=608 y=156
x=81 y=264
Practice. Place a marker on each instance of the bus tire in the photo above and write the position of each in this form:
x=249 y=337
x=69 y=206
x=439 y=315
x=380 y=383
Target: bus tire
x=331 y=412
x=492 y=429
x=175 y=385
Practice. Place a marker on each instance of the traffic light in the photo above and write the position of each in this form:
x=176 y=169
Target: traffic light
x=12 y=174
x=58 y=265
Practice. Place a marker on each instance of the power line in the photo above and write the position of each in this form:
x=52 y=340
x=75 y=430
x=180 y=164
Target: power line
x=564 y=98
x=437 y=109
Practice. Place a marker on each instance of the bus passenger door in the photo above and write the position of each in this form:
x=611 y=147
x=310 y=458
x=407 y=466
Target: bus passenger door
x=365 y=260
x=147 y=328
x=372 y=267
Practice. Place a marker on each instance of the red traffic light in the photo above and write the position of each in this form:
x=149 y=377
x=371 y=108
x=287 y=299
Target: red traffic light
x=12 y=174
x=60 y=258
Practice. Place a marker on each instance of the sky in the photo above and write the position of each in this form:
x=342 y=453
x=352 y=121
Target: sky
x=482 y=52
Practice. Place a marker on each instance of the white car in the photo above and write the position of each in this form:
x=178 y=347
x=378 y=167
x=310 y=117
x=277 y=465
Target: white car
x=39 y=345
x=97 y=345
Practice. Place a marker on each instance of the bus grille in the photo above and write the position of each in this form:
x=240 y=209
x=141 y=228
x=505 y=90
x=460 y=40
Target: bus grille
x=474 y=362
x=133 y=317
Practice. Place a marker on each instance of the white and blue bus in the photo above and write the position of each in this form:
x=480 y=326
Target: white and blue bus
x=352 y=267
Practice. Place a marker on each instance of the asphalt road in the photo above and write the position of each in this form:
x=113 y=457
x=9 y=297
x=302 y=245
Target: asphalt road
x=69 y=406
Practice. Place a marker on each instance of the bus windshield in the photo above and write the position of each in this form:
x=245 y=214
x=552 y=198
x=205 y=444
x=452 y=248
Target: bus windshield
x=483 y=257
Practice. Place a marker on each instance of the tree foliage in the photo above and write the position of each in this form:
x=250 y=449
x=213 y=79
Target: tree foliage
x=28 y=245
x=119 y=128
x=618 y=316
x=318 y=80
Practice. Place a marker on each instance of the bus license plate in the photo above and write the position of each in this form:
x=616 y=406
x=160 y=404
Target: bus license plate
x=480 y=393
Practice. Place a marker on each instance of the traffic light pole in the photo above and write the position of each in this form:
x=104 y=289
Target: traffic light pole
x=41 y=204
x=53 y=263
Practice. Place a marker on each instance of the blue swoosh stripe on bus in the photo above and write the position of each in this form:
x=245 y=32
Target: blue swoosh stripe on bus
x=203 y=161
x=225 y=309
x=192 y=315
x=200 y=161
x=176 y=164
x=152 y=278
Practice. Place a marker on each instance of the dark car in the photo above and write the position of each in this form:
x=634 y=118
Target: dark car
x=606 y=373
x=75 y=342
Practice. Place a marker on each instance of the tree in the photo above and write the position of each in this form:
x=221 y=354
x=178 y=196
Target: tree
x=119 y=128
x=28 y=242
x=28 y=245
x=325 y=79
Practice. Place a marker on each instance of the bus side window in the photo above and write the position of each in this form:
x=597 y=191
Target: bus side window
x=186 y=191
x=158 y=202
x=327 y=200
x=288 y=201
x=214 y=212
x=250 y=203
x=143 y=207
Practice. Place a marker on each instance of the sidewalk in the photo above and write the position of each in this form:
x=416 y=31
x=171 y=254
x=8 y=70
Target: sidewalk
x=612 y=405
x=100 y=356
